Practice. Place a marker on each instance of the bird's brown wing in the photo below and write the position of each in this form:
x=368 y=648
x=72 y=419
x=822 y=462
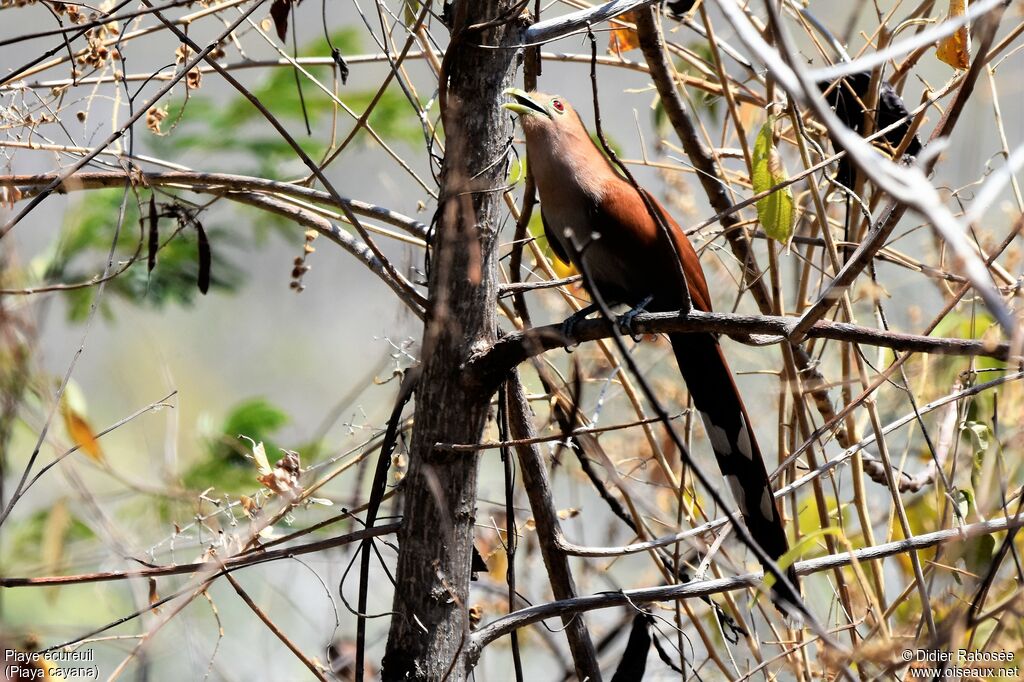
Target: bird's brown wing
x=553 y=242
x=634 y=234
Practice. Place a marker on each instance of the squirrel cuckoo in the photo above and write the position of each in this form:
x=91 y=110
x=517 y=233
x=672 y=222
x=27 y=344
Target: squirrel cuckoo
x=631 y=263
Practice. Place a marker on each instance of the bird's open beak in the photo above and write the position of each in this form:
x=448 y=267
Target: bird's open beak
x=522 y=104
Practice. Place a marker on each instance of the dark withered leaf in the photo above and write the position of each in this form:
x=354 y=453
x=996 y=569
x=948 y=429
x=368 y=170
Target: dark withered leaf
x=478 y=565
x=848 y=97
x=680 y=6
x=204 y=259
x=279 y=13
x=634 y=658
x=342 y=65
x=154 y=233
x=478 y=562
x=665 y=657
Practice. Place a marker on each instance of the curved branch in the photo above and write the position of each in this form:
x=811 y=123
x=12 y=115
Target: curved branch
x=844 y=456
x=230 y=564
x=237 y=188
x=400 y=285
x=907 y=187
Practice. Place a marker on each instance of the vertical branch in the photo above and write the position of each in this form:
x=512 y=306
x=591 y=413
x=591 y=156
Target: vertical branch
x=538 y=489
x=511 y=530
x=531 y=70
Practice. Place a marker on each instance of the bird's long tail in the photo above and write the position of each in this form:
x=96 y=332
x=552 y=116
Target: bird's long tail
x=716 y=396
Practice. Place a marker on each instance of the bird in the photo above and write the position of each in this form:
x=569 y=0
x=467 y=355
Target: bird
x=847 y=96
x=598 y=220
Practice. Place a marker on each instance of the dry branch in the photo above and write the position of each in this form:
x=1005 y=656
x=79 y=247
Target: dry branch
x=517 y=347
x=534 y=614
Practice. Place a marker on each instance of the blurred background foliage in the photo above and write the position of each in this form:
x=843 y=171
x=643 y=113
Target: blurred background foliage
x=199 y=121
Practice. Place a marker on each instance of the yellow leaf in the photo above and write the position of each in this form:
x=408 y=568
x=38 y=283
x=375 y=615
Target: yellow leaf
x=249 y=505
x=806 y=543
x=80 y=432
x=154 y=596
x=55 y=531
x=497 y=565
x=775 y=211
x=560 y=267
x=259 y=453
x=955 y=49
x=623 y=39
x=569 y=513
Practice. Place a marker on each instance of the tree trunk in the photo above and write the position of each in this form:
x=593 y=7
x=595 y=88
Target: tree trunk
x=430 y=622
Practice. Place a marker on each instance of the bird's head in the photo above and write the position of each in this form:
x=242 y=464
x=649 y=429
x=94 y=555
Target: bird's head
x=557 y=142
x=544 y=116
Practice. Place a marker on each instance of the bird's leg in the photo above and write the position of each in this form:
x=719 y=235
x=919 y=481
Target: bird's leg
x=625 y=321
x=569 y=325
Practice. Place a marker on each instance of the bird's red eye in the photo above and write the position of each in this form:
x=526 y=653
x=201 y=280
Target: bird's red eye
x=557 y=105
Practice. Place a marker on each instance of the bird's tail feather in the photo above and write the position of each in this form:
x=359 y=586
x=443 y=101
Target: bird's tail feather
x=717 y=398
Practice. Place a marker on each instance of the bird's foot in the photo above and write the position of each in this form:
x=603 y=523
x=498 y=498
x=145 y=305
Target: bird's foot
x=569 y=326
x=625 y=321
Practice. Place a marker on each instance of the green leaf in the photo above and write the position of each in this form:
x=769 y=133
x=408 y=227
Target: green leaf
x=226 y=466
x=258 y=419
x=974 y=325
x=612 y=144
x=410 y=11
x=203 y=121
x=978 y=553
x=517 y=171
x=28 y=539
x=775 y=211
x=981 y=437
x=964 y=502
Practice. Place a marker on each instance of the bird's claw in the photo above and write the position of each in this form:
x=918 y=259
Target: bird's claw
x=569 y=327
x=624 y=322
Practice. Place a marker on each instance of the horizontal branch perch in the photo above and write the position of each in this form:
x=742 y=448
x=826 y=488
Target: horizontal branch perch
x=520 y=346
x=534 y=614
x=254 y=557
x=218 y=183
